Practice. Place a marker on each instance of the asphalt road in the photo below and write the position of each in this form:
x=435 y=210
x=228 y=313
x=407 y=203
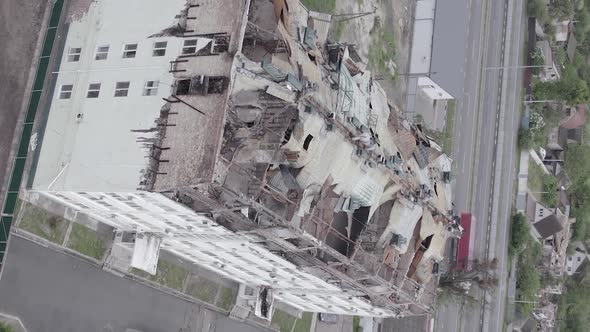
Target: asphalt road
x=51 y=291
x=19 y=34
x=484 y=148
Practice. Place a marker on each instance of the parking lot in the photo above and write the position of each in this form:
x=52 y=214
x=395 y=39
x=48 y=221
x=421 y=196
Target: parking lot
x=51 y=291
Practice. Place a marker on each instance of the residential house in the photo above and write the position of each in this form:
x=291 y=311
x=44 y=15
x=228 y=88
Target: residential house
x=577 y=259
x=573 y=124
x=562 y=29
x=525 y=325
x=551 y=227
x=569 y=131
x=550 y=71
x=556 y=139
x=544 y=221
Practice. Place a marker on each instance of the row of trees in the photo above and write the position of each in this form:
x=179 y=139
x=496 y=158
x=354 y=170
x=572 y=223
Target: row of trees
x=577 y=165
x=571 y=89
x=574 y=305
x=528 y=279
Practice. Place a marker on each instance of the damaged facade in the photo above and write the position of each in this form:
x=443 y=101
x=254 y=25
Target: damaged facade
x=290 y=171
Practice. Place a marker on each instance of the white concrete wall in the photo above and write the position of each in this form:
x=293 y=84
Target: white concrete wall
x=207 y=244
x=100 y=151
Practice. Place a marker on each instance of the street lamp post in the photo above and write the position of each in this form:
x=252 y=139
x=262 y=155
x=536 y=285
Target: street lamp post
x=517 y=67
x=539 y=101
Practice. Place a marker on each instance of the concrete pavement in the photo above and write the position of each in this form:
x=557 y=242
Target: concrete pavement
x=51 y=291
x=17 y=68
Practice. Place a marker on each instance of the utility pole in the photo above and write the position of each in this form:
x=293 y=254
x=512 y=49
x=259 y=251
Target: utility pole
x=540 y=101
x=417 y=74
x=517 y=67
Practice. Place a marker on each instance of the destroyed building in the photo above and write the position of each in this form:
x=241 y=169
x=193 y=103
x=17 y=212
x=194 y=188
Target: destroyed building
x=245 y=141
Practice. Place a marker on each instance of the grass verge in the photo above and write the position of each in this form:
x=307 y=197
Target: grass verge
x=167 y=274
x=42 y=223
x=226 y=298
x=542 y=185
x=202 y=289
x=356 y=324
x=324 y=6
x=381 y=51
x=282 y=321
x=304 y=323
x=337 y=29
x=445 y=138
x=86 y=241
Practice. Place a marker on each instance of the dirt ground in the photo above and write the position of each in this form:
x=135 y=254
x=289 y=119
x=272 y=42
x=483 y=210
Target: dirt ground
x=395 y=17
x=19 y=32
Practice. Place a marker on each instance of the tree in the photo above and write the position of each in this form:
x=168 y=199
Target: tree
x=572 y=91
x=519 y=234
x=538 y=60
x=575 y=91
x=538 y=9
x=577 y=163
x=580 y=191
x=562 y=9
x=550 y=190
x=5 y=327
x=525 y=138
x=582 y=225
x=574 y=309
x=528 y=283
x=582 y=24
x=482 y=274
x=528 y=278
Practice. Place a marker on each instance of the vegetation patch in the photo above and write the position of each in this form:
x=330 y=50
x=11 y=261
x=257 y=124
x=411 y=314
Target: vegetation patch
x=519 y=234
x=445 y=137
x=202 y=289
x=382 y=51
x=86 y=241
x=43 y=223
x=324 y=6
x=336 y=30
x=226 y=298
x=577 y=166
x=5 y=327
x=538 y=60
x=304 y=323
x=528 y=279
x=282 y=321
x=543 y=186
x=168 y=274
x=356 y=324
x=573 y=310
